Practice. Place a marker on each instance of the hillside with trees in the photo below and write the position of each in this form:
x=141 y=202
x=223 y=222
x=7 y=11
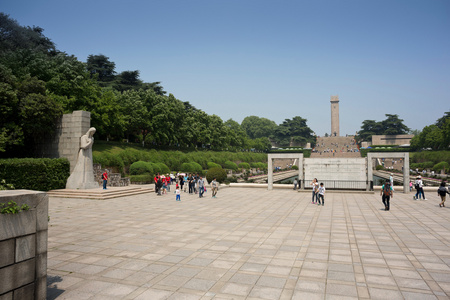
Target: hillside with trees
x=38 y=83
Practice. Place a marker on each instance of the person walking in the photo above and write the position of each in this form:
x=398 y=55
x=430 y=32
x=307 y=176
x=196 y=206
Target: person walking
x=159 y=185
x=419 y=188
x=386 y=193
x=321 y=194
x=295 y=184
x=191 y=184
x=105 y=179
x=315 y=189
x=410 y=186
x=214 y=187
x=391 y=179
x=201 y=187
x=442 y=191
x=177 y=193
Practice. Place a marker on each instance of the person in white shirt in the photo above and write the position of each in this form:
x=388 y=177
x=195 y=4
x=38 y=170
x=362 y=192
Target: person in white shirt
x=321 y=194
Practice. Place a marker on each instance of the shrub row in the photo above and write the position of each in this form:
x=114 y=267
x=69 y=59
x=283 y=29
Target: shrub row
x=121 y=157
x=149 y=168
x=386 y=149
x=141 y=179
x=443 y=165
x=41 y=174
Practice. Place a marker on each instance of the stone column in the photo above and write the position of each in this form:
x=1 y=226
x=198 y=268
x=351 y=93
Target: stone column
x=334 y=115
x=406 y=173
x=270 y=172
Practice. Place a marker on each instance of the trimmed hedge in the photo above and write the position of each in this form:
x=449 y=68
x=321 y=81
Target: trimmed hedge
x=141 y=167
x=383 y=149
x=211 y=165
x=244 y=165
x=191 y=167
x=230 y=165
x=40 y=174
x=260 y=165
x=141 y=179
x=218 y=173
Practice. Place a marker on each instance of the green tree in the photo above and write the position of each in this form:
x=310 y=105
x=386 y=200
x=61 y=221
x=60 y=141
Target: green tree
x=101 y=66
x=436 y=136
x=391 y=126
x=14 y=37
x=294 y=130
x=257 y=127
x=237 y=136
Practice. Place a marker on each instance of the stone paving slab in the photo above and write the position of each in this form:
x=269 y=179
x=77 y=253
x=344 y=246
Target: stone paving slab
x=249 y=244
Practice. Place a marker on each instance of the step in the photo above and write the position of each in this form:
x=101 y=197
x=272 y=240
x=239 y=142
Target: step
x=100 y=194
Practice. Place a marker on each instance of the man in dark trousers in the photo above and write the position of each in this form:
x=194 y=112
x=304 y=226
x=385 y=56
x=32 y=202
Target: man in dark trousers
x=105 y=179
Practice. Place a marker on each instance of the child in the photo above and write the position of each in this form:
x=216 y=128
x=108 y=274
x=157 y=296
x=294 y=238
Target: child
x=321 y=194
x=386 y=193
x=442 y=191
x=177 y=192
x=164 y=186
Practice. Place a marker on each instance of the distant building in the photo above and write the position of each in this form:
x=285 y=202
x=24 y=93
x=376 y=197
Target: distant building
x=397 y=139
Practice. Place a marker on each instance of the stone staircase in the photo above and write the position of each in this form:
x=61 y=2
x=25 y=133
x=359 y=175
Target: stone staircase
x=101 y=194
x=335 y=146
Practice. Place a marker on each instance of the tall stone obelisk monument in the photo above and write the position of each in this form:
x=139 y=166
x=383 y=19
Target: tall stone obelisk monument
x=334 y=115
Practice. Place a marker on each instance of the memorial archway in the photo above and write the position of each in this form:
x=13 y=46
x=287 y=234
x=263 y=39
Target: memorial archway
x=272 y=156
x=402 y=155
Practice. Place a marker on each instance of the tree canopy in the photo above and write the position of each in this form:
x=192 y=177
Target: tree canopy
x=391 y=126
x=38 y=83
x=435 y=136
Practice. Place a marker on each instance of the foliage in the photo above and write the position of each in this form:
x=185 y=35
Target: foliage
x=191 y=167
x=295 y=131
x=38 y=83
x=379 y=167
x=141 y=167
x=382 y=149
x=141 y=179
x=230 y=165
x=42 y=174
x=443 y=165
x=211 y=165
x=391 y=126
x=257 y=127
x=433 y=156
x=259 y=165
x=294 y=167
x=218 y=173
x=6 y=186
x=163 y=168
x=12 y=208
x=422 y=165
x=244 y=165
x=435 y=137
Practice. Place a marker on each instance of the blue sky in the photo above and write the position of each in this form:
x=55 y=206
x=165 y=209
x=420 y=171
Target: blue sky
x=272 y=59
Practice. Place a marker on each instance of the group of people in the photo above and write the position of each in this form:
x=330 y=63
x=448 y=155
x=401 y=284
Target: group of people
x=387 y=191
x=194 y=183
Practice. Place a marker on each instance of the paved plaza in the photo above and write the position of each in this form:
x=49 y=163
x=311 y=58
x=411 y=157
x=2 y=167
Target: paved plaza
x=249 y=244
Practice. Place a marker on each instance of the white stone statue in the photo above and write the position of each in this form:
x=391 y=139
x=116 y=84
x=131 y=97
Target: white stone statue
x=82 y=176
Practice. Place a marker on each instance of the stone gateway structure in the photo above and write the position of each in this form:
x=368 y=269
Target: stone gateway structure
x=334 y=115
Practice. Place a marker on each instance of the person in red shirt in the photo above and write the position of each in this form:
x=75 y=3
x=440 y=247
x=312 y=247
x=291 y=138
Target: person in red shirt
x=105 y=179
